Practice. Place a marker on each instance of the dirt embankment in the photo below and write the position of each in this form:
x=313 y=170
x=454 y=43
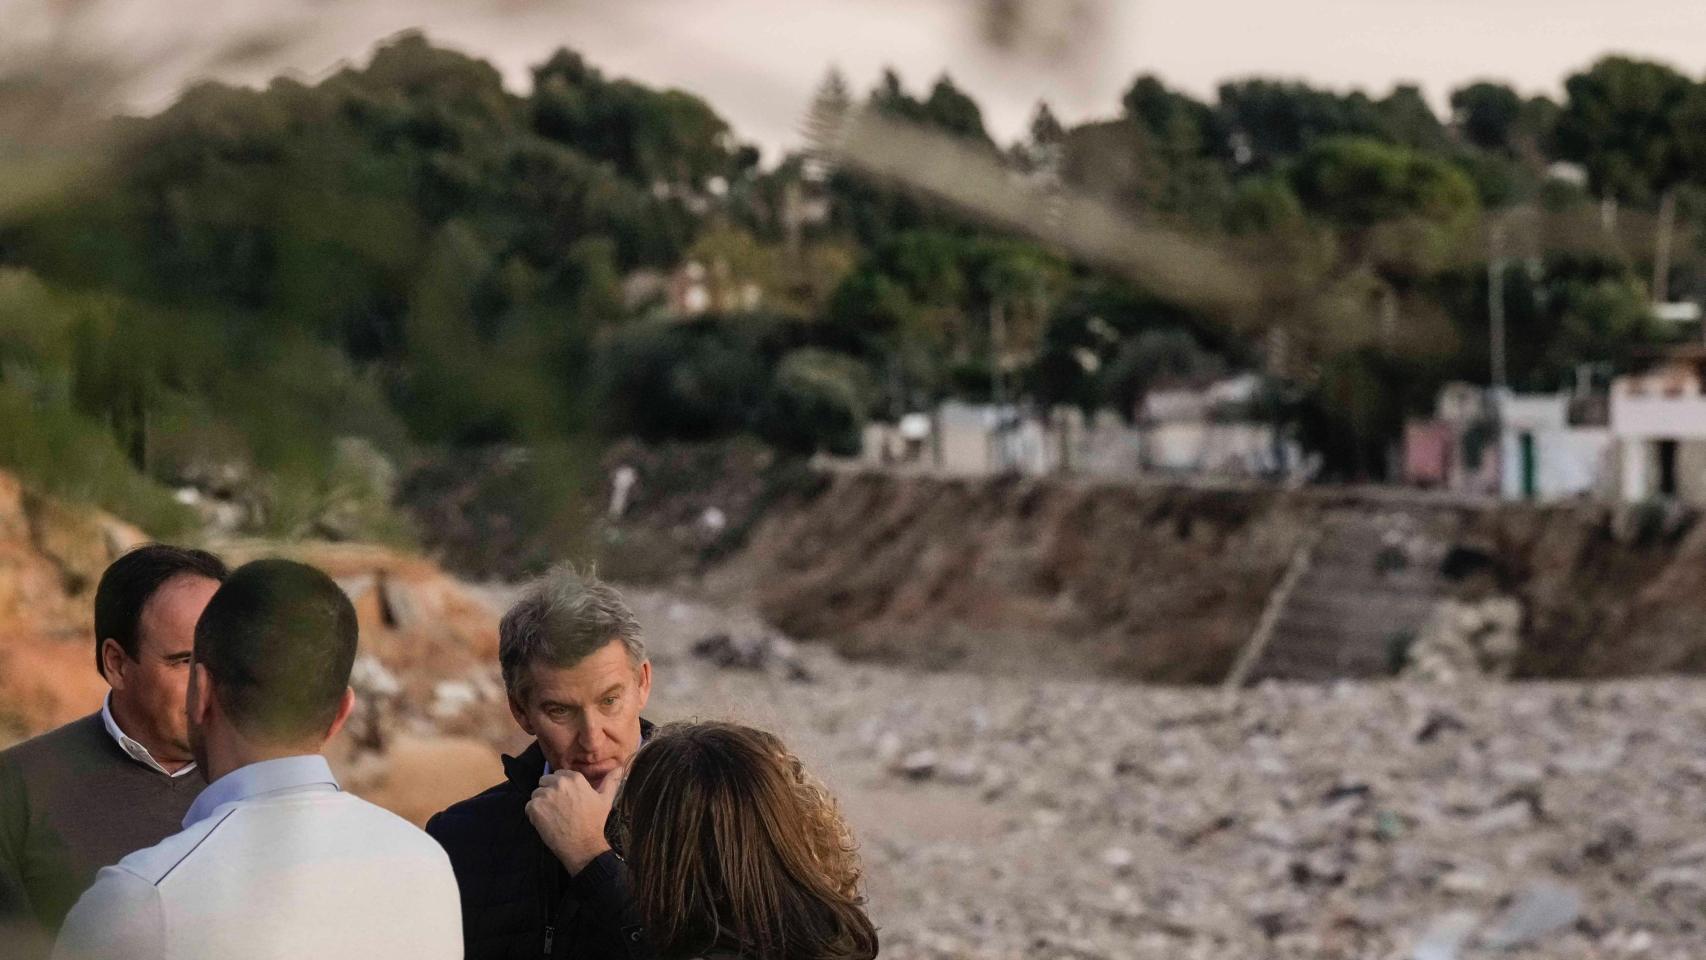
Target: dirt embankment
x=506 y=514
x=1020 y=576
x=1606 y=592
x=1165 y=584
x=51 y=557
x=1155 y=583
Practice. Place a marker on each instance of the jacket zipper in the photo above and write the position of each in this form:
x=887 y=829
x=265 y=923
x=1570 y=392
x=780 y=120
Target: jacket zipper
x=548 y=863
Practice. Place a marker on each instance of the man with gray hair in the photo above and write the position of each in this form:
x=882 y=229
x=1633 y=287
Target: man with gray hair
x=536 y=870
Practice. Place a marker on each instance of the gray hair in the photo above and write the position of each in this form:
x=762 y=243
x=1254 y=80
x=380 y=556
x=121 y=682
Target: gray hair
x=562 y=618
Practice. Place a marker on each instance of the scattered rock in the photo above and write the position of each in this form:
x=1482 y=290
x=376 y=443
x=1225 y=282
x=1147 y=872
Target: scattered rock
x=765 y=653
x=1537 y=912
x=1119 y=858
x=962 y=771
x=1610 y=842
x=918 y=765
x=452 y=698
x=1467 y=639
x=370 y=678
x=1437 y=724
x=1445 y=936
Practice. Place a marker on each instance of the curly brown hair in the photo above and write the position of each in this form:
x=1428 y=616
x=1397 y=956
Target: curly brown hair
x=735 y=848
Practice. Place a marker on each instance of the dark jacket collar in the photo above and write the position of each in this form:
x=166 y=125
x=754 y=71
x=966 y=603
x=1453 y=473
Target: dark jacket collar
x=525 y=768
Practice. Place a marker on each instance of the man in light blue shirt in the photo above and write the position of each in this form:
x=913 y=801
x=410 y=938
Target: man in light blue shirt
x=275 y=861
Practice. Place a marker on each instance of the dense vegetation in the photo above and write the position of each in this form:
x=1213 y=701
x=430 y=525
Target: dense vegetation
x=272 y=294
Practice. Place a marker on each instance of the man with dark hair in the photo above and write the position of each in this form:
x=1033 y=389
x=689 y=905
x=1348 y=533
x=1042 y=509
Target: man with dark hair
x=536 y=870
x=274 y=860
x=84 y=795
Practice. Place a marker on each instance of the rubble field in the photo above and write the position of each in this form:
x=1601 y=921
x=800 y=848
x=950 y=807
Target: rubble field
x=1009 y=818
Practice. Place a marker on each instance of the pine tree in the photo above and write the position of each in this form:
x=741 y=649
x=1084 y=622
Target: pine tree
x=826 y=118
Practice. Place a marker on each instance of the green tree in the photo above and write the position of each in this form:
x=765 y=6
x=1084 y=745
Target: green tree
x=829 y=110
x=1360 y=183
x=1151 y=359
x=949 y=108
x=1406 y=119
x=1620 y=120
x=650 y=136
x=1181 y=126
x=1263 y=205
x=1488 y=116
x=1269 y=121
x=1043 y=149
x=818 y=400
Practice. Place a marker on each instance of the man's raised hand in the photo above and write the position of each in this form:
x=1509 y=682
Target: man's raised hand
x=570 y=815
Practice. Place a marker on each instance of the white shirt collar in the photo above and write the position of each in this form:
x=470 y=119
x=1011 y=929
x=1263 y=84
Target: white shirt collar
x=307 y=771
x=132 y=749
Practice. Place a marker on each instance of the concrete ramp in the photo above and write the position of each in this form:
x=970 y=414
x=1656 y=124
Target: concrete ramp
x=1370 y=584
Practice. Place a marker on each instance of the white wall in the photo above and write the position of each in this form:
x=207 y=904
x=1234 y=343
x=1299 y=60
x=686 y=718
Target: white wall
x=1534 y=411
x=1639 y=471
x=964 y=437
x=1234 y=449
x=1108 y=449
x=1637 y=479
x=1460 y=402
x=1660 y=417
x=1569 y=462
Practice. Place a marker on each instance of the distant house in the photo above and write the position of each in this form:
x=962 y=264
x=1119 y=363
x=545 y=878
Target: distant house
x=1487 y=442
x=1456 y=449
x=1214 y=429
x=1102 y=446
x=1658 y=418
x=964 y=439
x=1552 y=447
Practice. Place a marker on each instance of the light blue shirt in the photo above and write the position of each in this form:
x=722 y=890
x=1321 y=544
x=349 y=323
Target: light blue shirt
x=275 y=862
x=264 y=779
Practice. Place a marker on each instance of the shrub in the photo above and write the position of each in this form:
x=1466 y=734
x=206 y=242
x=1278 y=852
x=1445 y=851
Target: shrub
x=58 y=451
x=668 y=381
x=817 y=401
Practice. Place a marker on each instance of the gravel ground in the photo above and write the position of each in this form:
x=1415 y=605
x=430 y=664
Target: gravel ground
x=1008 y=818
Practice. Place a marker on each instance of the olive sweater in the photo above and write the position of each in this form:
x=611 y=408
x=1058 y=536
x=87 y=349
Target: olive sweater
x=72 y=802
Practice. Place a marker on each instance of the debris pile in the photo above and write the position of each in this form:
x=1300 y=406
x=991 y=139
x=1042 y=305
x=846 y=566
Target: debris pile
x=1467 y=639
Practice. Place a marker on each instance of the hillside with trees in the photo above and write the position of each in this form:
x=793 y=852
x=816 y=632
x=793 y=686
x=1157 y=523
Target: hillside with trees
x=278 y=295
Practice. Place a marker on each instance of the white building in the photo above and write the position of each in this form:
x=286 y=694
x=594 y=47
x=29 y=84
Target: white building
x=1658 y=418
x=1212 y=430
x=1542 y=456
x=1106 y=446
x=1208 y=431
x=964 y=439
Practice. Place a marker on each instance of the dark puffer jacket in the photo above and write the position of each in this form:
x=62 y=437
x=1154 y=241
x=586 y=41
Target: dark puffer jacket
x=517 y=899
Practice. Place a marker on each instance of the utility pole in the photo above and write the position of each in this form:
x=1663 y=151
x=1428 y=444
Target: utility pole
x=1661 y=252
x=1496 y=301
x=997 y=389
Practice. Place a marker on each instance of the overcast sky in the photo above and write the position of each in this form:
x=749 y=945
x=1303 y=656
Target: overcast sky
x=758 y=61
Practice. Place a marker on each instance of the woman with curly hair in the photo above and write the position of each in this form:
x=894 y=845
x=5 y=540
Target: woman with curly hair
x=736 y=852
